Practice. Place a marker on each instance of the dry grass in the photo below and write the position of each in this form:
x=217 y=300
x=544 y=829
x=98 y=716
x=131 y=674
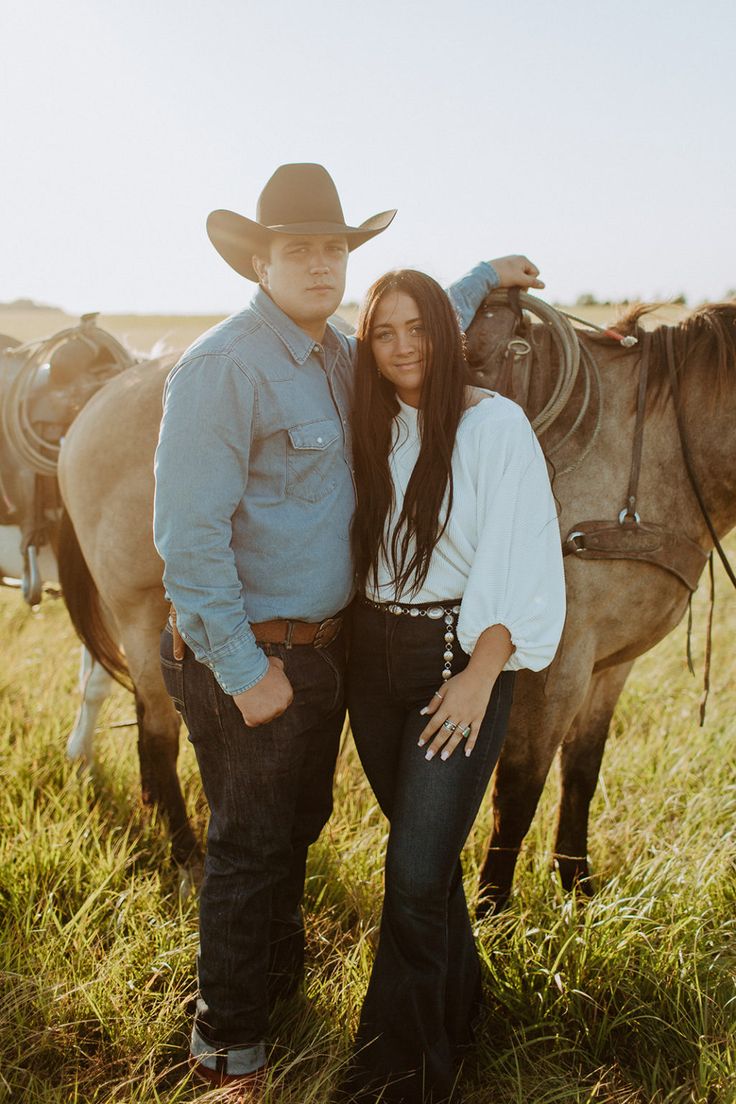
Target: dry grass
x=630 y=999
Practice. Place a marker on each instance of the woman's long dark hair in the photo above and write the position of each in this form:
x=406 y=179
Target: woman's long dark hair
x=441 y=406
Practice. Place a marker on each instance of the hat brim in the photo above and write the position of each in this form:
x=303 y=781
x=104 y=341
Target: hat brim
x=236 y=238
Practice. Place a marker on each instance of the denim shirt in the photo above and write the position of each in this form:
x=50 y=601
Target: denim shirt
x=254 y=482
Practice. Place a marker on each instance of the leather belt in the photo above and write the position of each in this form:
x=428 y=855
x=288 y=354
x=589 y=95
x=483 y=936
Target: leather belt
x=318 y=634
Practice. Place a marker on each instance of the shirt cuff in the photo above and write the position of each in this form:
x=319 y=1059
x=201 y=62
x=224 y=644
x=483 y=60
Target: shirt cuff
x=470 y=291
x=239 y=669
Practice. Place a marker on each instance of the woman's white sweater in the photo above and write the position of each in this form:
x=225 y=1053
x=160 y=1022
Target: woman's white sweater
x=501 y=550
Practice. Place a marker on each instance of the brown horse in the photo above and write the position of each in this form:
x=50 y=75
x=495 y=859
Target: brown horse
x=617 y=609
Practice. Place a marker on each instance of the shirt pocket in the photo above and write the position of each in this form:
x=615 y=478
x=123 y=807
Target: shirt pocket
x=313 y=454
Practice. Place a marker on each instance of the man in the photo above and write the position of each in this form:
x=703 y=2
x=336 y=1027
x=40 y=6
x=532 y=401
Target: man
x=254 y=498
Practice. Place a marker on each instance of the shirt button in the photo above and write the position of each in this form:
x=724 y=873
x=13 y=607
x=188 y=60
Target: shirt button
x=319 y=440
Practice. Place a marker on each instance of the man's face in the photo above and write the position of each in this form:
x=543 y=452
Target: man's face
x=305 y=276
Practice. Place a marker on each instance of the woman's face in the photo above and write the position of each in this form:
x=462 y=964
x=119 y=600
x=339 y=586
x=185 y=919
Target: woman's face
x=399 y=344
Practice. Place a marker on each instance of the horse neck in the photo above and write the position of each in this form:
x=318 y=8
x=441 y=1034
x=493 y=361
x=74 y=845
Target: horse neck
x=708 y=404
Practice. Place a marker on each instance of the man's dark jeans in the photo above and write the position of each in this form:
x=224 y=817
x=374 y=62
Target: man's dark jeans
x=424 y=991
x=269 y=791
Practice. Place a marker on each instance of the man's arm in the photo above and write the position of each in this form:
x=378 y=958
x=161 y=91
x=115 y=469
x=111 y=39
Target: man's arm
x=201 y=473
x=470 y=290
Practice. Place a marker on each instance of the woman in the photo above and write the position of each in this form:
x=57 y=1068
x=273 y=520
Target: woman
x=458 y=557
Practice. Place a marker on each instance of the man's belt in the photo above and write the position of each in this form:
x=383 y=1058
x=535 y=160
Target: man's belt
x=318 y=634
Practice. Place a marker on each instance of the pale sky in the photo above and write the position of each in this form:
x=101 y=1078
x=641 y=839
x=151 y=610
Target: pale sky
x=596 y=138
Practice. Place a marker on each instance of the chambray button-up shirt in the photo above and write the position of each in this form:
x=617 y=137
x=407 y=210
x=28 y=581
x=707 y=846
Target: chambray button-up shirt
x=254 y=484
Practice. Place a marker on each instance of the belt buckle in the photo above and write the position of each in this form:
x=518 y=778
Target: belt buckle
x=323 y=635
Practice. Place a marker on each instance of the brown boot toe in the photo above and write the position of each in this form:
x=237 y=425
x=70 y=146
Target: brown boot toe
x=243 y=1088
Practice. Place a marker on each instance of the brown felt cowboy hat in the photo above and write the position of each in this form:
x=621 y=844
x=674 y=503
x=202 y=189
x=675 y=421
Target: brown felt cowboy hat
x=298 y=199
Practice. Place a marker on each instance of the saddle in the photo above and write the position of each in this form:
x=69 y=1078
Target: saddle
x=503 y=346
x=43 y=386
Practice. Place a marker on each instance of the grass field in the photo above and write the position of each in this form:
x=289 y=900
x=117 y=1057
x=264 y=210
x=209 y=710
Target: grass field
x=628 y=998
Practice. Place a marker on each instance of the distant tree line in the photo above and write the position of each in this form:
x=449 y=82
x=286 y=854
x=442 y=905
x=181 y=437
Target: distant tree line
x=26 y=304
x=588 y=299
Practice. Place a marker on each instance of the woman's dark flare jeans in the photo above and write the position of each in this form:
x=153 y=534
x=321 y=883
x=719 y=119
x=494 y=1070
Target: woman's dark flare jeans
x=424 y=990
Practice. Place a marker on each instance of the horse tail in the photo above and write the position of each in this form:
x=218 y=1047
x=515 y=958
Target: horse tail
x=82 y=600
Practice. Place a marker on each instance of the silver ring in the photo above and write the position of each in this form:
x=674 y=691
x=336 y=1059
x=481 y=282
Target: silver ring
x=438 y=695
x=465 y=732
x=449 y=725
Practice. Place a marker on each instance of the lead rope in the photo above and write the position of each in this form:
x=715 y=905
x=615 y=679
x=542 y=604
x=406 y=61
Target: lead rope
x=708 y=640
x=629 y=513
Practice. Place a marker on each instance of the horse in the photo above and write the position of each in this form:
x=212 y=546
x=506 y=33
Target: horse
x=633 y=522
x=111 y=572
x=21 y=516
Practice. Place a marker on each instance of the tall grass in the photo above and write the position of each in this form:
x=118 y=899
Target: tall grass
x=629 y=997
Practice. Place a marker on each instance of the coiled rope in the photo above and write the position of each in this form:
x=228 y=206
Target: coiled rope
x=573 y=357
x=565 y=339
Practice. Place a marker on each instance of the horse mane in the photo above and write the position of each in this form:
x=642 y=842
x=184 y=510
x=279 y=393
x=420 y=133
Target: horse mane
x=705 y=341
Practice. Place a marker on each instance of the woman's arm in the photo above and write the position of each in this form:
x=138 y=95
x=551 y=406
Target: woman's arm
x=465 y=697
x=513 y=606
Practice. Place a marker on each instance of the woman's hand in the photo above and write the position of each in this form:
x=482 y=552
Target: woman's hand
x=460 y=704
x=461 y=701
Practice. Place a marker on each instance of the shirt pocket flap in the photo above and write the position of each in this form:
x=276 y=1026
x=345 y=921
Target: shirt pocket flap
x=314 y=435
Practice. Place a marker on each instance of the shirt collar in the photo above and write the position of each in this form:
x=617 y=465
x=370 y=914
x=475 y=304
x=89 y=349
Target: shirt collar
x=410 y=414
x=299 y=343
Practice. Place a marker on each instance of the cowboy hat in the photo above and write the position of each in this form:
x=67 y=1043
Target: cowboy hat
x=298 y=199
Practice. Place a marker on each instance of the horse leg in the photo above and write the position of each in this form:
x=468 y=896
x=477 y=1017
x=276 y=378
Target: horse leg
x=158 y=727
x=580 y=763
x=517 y=787
x=94 y=686
x=542 y=713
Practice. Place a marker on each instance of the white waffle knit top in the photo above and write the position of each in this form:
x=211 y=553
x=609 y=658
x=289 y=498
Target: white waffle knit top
x=501 y=550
